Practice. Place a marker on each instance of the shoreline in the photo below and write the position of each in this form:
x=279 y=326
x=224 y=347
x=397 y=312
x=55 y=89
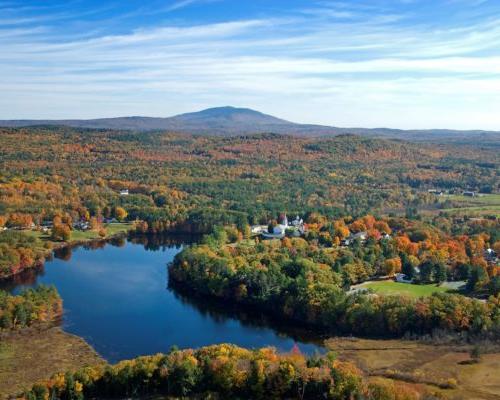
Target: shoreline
x=81 y=242
x=60 y=246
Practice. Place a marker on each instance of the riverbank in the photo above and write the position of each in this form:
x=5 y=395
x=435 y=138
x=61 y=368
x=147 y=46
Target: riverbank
x=113 y=230
x=30 y=355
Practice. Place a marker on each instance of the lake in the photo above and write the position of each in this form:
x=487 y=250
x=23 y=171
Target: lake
x=116 y=297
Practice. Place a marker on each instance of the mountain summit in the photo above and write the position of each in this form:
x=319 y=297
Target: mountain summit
x=228 y=121
x=230 y=114
x=216 y=121
x=231 y=121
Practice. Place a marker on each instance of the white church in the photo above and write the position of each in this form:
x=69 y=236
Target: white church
x=279 y=231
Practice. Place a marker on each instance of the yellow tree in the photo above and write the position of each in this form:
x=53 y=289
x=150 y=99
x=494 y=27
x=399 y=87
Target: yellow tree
x=120 y=213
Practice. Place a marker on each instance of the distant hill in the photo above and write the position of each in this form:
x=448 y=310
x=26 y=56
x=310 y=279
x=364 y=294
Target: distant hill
x=231 y=121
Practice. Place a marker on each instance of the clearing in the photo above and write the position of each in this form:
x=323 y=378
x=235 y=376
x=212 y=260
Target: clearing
x=31 y=355
x=112 y=229
x=398 y=288
x=432 y=366
x=483 y=204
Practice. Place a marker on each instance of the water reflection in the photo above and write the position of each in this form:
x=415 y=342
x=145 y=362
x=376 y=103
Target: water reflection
x=115 y=296
x=63 y=253
x=164 y=241
x=221 y=312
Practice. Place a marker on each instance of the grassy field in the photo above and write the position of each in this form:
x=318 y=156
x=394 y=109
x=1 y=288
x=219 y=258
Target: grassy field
x=397 y=288
x=111 y=230
x=480 y=205
x=431 y=366
x=26 y=357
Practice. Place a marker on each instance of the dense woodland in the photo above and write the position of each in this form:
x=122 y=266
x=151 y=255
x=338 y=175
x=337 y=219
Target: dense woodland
x=305 y=281
x=19 y=251
x=189 y=183
x=31 y=307
x=223 y=372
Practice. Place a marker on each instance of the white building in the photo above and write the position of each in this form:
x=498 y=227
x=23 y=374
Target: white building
x=279 y=230
x=361 y=236
x=298 y=222
x=402 y=278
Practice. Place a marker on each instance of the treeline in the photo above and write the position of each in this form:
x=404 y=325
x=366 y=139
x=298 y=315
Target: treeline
x=222 y=372
x=32 y=306
x=19 y=251
x=297 y=280
x=197 y=221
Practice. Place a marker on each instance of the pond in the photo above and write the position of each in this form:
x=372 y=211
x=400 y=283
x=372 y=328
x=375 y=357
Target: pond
x=116 y=296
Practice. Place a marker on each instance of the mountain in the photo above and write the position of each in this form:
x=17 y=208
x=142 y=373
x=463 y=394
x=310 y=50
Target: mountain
x=217 y=121
x=230 y=121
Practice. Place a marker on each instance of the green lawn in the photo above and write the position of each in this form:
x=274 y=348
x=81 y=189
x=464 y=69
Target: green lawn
x=111 y=229
x=483 y=199
x=114 y=228
x=390 y=287
x=479 y=205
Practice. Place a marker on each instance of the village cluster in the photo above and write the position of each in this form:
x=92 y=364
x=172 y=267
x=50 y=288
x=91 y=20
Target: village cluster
x=297 y=228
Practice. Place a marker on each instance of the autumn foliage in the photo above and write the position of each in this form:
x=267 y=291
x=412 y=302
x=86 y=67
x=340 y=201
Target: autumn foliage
x=221 y=371
x=32 y=306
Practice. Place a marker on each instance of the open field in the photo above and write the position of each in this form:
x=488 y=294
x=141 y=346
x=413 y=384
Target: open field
x=111 y=229
x=76 y=236
x=397 y=288
x=29 y=356
x=479 y=205
x=433 y=366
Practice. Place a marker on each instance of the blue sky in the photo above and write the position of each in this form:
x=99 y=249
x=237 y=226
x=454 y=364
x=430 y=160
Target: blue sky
x=367 y=63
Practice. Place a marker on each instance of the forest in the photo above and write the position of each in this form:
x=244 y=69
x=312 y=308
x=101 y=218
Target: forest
x=31 y=307
x=221 y=372
x=306 y=281
x=183 y=183
x=19 y=252
x=180 y=180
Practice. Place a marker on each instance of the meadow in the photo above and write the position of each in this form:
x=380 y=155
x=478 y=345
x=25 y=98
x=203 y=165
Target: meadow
x=407 y=289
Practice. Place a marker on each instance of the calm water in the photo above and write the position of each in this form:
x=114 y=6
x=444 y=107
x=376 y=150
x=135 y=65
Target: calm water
x=117 y=298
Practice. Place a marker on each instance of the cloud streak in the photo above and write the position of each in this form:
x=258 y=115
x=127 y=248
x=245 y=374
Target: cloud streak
x=355 y=65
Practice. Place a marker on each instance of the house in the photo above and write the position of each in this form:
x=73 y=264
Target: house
x=279 y=230
x=490 y=255
x=298 y=222
x=361 y=236
x=296 y=229
x=436 y=192
x=258 y=229
x=469 y=194
x=402 y=278
x=81 y=226
x=124 y=192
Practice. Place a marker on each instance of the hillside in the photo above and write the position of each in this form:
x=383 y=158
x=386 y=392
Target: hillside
x=249 y=174
x=231 y=121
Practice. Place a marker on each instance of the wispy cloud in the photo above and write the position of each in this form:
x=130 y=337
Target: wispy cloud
x=181 y=4
x=330 y=62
